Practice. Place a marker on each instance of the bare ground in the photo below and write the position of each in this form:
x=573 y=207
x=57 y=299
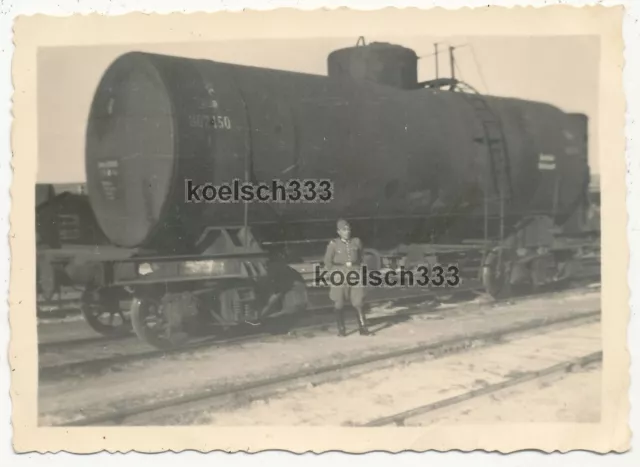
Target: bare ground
x=392 y=390
x=149 y=381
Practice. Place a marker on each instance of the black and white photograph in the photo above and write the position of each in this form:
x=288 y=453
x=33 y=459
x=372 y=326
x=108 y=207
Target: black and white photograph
x=360 y=230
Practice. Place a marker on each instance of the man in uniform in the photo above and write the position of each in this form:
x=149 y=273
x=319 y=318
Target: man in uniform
x=345 y=254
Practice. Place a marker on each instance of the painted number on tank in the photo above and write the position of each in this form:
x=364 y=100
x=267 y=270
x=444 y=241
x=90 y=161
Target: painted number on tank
x=221 y=122
x=217 y=121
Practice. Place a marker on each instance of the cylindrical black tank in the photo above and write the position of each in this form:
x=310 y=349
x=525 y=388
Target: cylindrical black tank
x=393 y=155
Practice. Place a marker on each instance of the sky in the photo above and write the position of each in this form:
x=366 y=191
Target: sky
x=562 y=71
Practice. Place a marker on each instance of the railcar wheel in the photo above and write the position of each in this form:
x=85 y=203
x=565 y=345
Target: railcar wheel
x=101 y=310
x=156 y=324
x=496 y=274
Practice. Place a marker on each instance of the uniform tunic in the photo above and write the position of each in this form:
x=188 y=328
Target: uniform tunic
x=345 y=255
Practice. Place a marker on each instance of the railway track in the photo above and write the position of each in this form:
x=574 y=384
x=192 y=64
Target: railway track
x=215 y=397
x=58 y=344
x=320 y=318
x=61 y=345
x=54 y=346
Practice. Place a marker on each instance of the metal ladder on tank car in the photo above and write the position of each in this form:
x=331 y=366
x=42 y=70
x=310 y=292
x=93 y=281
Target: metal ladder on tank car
x=497 y=152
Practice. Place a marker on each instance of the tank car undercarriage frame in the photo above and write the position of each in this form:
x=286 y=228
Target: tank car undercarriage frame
x=529 y=257
x=232 y=281
x=533 y=255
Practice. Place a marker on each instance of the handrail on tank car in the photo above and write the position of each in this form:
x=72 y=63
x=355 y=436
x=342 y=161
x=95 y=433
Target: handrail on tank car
x=453 y=83
x=438 y=83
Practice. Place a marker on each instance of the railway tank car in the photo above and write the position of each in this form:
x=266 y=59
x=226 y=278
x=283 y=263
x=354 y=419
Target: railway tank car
x=390 y=150
x=409 y=163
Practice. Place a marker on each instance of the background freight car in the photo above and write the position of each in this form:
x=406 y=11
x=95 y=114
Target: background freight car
x=64 y=216
x=65 y=228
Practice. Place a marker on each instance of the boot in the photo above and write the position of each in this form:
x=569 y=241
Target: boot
x=342 y=330
x=362 y=323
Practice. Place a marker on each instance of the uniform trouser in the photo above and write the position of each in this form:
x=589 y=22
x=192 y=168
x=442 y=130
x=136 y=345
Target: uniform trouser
x=340 y=294
x=354 y=294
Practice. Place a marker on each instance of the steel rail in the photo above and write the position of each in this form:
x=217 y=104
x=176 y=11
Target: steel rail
x=54 y=345
x=64 y=344
x=400 y=418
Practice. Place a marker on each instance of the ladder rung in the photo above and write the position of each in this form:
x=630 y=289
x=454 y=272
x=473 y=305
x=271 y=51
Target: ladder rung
x=488 y=120
x=492 y=135
x=485 y=114
x=483 y=110
x=491 y=124
x=493 y=132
